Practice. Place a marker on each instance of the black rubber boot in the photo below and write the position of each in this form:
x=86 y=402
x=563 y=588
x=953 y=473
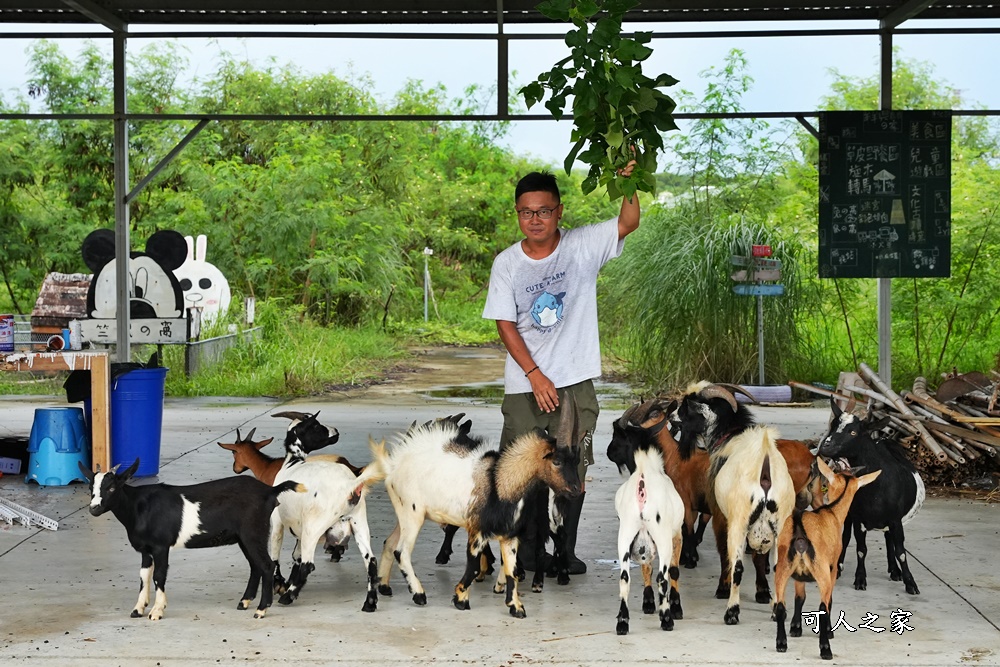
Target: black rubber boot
x=571 y=522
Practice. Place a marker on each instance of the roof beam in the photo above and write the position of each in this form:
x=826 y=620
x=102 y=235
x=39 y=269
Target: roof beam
x=904 y=12
x=98 y=14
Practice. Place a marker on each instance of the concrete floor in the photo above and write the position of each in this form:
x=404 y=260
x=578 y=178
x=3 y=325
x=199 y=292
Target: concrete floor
x=67 y=594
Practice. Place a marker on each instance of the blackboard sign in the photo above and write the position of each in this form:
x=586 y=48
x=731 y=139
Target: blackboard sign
x=885 y=194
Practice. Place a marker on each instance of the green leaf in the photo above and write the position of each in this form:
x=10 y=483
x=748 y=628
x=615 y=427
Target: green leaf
x=625 y=77
x=532 y=93
x=665 y=80
x=586 y=8
x=557 y=10
x=619 y=7
x=578 y=37
x=629 y=50
x=571 y=157
x=606 y=32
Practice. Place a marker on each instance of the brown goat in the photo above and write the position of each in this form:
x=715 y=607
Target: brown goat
x=808 y=549
x=247 y=456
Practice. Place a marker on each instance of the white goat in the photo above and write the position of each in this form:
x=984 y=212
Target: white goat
x=755 y=493
x=650 y=515
x=436 y=473
x=335 y=502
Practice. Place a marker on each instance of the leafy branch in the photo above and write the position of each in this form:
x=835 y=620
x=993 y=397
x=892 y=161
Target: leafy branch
x=618 y=112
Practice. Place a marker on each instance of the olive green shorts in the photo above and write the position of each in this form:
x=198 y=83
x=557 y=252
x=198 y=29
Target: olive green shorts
x=521 y=414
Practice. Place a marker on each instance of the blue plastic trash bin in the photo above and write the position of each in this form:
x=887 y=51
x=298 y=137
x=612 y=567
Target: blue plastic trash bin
x=136 y=419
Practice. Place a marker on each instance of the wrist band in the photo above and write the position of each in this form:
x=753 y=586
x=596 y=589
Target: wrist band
x=531 y=371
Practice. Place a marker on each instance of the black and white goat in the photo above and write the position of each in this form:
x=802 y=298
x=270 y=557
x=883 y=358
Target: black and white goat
x=335 y=507
x=749 y=480
x=159 y=517
x=650 y=516
x=432 y=473
x=887 y=504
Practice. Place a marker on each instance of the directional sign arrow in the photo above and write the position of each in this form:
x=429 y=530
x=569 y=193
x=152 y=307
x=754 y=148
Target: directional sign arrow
x=764 y=275
x=759 y=290
x=759 y=262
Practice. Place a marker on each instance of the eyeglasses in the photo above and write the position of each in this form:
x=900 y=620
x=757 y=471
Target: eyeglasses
x=528 y=214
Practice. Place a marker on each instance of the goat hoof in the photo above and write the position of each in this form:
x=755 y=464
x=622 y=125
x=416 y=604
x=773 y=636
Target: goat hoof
x=498 y=588
x=781 y=647
x=286 y=599
x=518 y=612
x=384 y=589
x=763 y=597
x=912 y=589
x=895 y=576
x=667 y=624
x=442 y=558
x=861 y=585
x=369 y=606
x=622 y=628
x=826 y=655
x=136 y=613
x=795 y=631
x=243 y=605
x=732 y=616
x=420 y=599
x=461 y=605
x=676 y=612
x=722 y=593
x=563 y=579
x=536 y=588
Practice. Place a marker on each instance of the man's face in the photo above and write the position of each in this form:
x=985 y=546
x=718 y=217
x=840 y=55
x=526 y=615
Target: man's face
x=536 y=229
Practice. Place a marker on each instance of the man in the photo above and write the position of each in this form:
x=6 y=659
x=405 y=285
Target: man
x=543 y=296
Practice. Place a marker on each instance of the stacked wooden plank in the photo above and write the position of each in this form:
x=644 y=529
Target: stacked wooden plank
x=952 y=435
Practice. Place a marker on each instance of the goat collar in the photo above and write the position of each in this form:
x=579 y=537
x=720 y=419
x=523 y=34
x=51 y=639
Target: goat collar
x=722 y=439
x=655 y=429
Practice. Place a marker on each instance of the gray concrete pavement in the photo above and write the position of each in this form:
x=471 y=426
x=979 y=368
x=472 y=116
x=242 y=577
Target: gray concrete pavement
x=67 y=594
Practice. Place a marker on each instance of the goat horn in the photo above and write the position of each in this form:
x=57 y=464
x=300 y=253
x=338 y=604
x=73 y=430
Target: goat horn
x=239 y=438
x=627 y=415
x=717 y=391
x=737 y=389
x=250 y=434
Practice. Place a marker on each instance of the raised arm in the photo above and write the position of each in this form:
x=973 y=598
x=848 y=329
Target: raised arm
x=628 y=219
x=541 y=386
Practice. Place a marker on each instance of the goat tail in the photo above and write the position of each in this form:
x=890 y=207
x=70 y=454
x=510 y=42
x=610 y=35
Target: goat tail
x=290 y=485
x=380 y=466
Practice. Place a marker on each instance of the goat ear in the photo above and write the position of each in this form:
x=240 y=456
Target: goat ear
x=130 y=470
x=263 y=443
x=824 y=469
x=869 y=478
x=225 y=445
x=86 y=471
x=879 y=424
x=569 y=434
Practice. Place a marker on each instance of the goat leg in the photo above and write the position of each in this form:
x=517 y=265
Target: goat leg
x=861 y=573
x=648 y=594
x=761 y=567
x=145 y=582
x=444 y=554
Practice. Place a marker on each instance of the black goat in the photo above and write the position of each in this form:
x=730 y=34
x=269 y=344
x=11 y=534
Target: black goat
x=886 y=504
x=158 y=517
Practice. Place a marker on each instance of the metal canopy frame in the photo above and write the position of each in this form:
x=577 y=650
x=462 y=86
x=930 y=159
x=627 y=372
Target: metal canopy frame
x=118 y=16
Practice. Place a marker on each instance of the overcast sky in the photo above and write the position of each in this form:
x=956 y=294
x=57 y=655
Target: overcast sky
x=791 y=73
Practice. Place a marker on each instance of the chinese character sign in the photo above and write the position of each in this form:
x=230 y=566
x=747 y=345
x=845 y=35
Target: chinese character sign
x=885 y=194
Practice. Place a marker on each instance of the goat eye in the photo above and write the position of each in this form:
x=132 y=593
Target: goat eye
x=854 y=432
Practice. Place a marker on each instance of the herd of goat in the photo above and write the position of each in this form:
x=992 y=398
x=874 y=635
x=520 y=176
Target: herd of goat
x=690 y=460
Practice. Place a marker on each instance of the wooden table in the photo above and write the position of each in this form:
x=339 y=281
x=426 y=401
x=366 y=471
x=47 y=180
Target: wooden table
x=100 y=391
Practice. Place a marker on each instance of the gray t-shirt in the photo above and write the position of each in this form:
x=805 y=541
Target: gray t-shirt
x=554 y=303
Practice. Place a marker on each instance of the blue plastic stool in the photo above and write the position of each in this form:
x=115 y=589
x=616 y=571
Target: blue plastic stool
x=57 y=443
